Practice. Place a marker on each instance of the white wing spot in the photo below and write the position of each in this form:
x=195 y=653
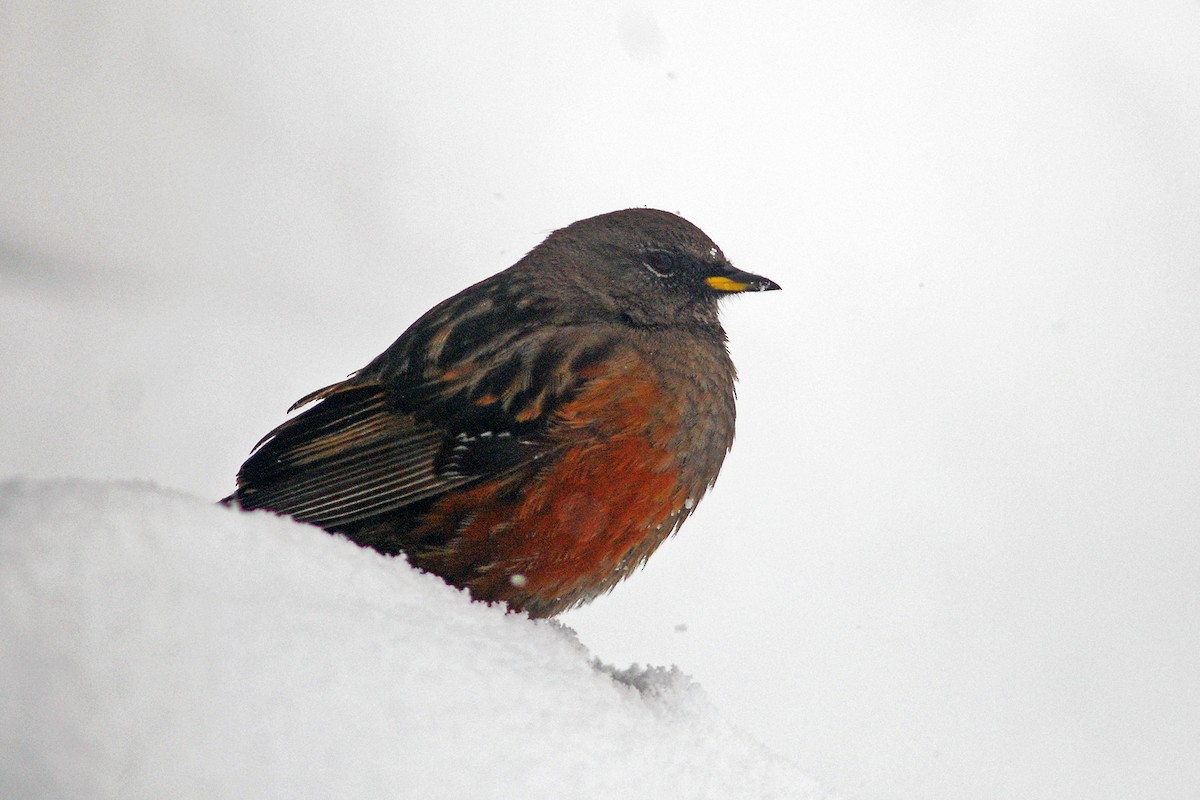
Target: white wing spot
x=518 y=580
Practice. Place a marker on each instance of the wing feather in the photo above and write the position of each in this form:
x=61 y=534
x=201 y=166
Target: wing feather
x=469 y=390
x=348 y=458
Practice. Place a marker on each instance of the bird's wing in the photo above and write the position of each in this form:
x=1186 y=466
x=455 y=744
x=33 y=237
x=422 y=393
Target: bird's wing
x=350 y=457
x=468 y=392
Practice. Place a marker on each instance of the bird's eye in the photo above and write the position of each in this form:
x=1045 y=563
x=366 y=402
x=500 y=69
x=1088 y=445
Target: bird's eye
x=660 y=263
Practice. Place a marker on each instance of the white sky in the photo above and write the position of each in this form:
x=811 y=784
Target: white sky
x=955 y=550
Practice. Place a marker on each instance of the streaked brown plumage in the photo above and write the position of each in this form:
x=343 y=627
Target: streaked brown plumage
x=535 y=437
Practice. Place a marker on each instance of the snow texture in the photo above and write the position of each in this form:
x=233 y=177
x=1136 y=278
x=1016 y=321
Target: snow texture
x=157 y=645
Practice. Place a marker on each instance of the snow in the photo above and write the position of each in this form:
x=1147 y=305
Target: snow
x=158 y=645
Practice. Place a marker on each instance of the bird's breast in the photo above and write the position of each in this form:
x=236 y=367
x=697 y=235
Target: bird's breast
x=634 y=450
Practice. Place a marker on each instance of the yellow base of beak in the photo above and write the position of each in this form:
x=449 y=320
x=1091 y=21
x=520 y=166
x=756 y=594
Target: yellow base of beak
x=723 y=284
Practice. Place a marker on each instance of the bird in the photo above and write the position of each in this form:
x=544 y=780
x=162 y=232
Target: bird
x=534 y=438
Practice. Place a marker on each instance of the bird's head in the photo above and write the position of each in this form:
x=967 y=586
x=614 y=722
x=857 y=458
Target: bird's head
x=641 y=267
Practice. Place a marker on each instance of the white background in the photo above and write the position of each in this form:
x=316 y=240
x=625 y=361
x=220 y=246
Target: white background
x=955 y=551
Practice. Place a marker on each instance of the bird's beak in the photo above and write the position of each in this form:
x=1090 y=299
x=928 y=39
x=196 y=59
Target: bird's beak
x=733 y=281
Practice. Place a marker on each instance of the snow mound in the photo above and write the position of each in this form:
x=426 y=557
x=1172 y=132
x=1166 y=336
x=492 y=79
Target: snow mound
x=157 y=645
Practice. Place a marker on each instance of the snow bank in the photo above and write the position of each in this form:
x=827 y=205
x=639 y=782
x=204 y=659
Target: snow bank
x=157 y=645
